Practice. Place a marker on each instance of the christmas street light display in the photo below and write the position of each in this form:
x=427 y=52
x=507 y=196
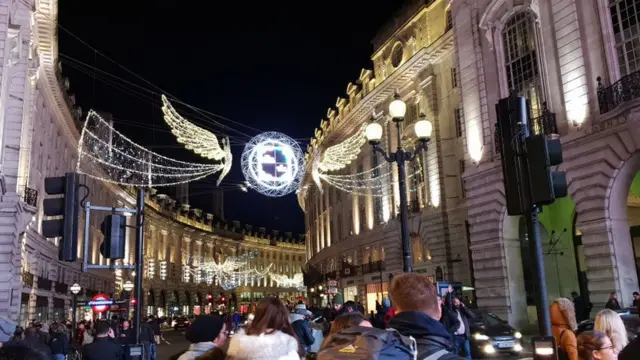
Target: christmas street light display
x=338 y=156
x=200 y=141
x=106 y=154
x=297 y=281
x=229 y=274
x=273 y=164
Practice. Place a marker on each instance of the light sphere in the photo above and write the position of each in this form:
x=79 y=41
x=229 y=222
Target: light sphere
x=423 y=129
x=373 y=132
x=128 y=286
x=273 y=164
x=75 y=288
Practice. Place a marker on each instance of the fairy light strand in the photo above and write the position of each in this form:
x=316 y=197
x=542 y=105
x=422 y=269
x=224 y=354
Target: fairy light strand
x=338 y=156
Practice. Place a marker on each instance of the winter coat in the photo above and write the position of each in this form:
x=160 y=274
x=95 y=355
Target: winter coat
x=59 y=343
x=631 y=351
x=563 y=318
x=465 y=315
x=196 y=350
x=302 y=329
x=103 y=348
x=430 y=334
x=274 y=346
x=613 y=304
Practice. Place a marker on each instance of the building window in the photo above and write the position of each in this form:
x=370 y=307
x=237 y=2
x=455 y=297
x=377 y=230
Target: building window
x=521 y=59
x=449 y=21
x=454 y=78
x=459 y=121
x=461 y=165
x=625 y=16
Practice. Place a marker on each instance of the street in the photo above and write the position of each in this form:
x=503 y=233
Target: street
x=177 y=343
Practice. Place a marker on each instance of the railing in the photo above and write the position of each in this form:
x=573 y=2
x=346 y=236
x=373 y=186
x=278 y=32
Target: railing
x=623 y=90
x=30 y=196
x=545 y=124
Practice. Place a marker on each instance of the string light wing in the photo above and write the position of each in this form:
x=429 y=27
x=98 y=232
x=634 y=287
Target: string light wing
x=338 y=156
x=229 y=274
x=376 y=182
x=108 y=155
x=273 y=164
x=228 y=160
x=200 y=141
x=297 y=281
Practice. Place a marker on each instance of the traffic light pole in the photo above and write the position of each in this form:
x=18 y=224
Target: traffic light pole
x=139 y=248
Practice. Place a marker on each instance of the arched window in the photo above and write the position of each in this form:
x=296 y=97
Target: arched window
x=625 y=18
x=521 y=59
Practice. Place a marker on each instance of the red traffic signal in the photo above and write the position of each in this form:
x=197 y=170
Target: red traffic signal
x=209 y=296
x=133 y=301
x=222 y=299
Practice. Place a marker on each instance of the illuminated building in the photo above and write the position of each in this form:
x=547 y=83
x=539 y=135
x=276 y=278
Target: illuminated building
x=578 y=63
x=355 y=239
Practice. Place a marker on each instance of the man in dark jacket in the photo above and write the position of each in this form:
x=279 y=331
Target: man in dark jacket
x=300 y=325
x=33 y=340
x=103 y=347
x=462 y=334
x=613 y=303
x=418 y=312
x=59 y=342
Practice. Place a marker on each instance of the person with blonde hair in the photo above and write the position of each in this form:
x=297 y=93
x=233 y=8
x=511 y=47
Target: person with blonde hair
x=610 y=323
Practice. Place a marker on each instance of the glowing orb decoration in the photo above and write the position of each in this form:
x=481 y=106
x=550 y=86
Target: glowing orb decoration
x=273 y=164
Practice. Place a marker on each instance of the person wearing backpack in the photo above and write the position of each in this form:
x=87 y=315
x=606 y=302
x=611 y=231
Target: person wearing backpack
x=418 y=311
x=563 y=325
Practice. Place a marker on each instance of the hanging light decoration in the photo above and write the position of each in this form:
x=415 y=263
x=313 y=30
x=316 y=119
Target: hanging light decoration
x=297 y=281
x=232 y=272
x=338 y=156
x=194 y=138
x=107 y=155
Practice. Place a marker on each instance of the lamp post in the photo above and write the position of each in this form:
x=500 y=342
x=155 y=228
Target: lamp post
x=75 y=289
x=423 y=129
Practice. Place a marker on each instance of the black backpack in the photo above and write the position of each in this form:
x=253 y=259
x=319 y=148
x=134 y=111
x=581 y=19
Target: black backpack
x=365 y=343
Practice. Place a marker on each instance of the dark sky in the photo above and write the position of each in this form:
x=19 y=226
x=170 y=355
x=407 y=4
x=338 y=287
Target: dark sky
x=271 y=65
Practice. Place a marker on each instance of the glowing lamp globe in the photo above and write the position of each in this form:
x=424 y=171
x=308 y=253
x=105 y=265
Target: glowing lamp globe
x=373 y=132
x=423 y=129
x=273 y=164
x=397 y=108
x=75 y=289
x=128 y=286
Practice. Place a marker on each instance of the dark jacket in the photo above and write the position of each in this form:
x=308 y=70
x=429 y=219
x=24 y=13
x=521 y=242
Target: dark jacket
x=125 y=337
x=302 y=330
x=35 y=342
x=613 y=304
x=146 y=334
x=155 y=326
x=449 y=319
x=465 y=315
x=102 y=348
x=59 y=343
x=430 y=335
x=631 y=351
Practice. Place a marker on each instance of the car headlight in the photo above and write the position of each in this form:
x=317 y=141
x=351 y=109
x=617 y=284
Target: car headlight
x=489 y=349
x=517 y=335
x=480 y=336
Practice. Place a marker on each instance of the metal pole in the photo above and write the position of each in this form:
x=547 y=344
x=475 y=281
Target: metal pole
x=542 y=301
x=404 y=222
x=74 y=306
x=139 y=243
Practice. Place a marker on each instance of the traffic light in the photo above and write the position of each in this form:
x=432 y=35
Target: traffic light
x=222 y=299
x=133 y=301
x=114 y=229
x=510 y=112
x=66 y=206
x=546 y=185
x=209 y=297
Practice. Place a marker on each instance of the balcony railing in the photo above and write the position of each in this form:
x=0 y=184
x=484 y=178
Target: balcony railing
x=545 y=124
x=623 y=90
x=30 y=196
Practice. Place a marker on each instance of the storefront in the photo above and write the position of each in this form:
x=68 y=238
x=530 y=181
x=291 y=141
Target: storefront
x=162 y=305
x=351 y=294
x=375 y=293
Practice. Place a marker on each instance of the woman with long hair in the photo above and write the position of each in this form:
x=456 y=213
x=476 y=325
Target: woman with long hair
x=610 y=323
x=595 y=345
x=348 y=320
x=269 y=336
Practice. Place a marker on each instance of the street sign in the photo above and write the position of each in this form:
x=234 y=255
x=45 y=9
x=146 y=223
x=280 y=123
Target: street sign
x=100 y=303
x=332 y=290
x=333 y=283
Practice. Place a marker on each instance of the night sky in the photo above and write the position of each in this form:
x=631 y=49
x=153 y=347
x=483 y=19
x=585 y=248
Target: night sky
x=269 y=65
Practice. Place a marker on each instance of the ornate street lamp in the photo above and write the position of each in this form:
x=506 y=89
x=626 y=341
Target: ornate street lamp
x=423 y=129
x=75 y=289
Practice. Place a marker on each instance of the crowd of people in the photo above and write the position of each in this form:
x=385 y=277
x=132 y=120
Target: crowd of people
x=414 y=323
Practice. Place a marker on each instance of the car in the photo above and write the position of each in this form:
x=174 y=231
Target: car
x=490 y=335
x=629 y=318
x=181 y=323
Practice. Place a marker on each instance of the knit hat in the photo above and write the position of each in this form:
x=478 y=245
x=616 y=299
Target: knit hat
x=338 y=299
x=204 y=328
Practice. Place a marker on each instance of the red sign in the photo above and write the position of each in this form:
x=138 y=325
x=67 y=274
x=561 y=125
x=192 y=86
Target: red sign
x=100 y=303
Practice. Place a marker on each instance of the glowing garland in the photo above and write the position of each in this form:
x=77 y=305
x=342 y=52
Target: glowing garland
x=106 y=154
x=286 y=282
x=230 y=273
x=194 y=138
x=338 y=156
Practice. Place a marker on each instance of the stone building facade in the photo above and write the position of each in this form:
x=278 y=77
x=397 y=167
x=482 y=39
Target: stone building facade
x=578 y=62
x=356 y=239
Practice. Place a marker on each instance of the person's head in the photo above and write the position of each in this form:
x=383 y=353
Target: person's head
x=613 y=295
x=270 y=315
x=349 y=306
x=18 y=332
x=563 y=313
x=20 y=352
x=207 y=328
x=102 y=328
x=348 y=320
x=151 y=317
x=574 y=294
x=595 y=345
x=610 y=323
x=386 y=303
x=31 y=332
x=636 y=295
x=125 y=324
x=415 y=292
x=456 y=302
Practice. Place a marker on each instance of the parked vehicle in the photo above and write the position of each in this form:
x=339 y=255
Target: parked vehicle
x=490 y=335
x=180 y=323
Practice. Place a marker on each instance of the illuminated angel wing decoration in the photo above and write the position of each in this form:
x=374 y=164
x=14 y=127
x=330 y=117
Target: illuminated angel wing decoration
x=194 y=138
x=108 y=155
x=228 y=159
x=340 y=155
